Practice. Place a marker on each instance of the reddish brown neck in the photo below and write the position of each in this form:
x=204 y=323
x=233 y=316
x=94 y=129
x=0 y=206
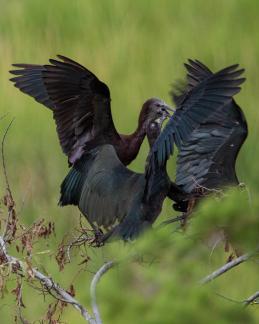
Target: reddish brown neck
x=131 y=143
x=136 y=139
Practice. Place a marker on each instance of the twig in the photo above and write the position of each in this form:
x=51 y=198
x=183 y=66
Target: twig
x=228 y=266
x=104 y=268
x=10 y=202
x=82 y=239
x=251 y=299
x=3 y=156
x=228 y=299
x=47 y=282
x=171 y=220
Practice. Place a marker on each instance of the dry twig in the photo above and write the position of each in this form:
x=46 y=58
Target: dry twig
x=47 y=282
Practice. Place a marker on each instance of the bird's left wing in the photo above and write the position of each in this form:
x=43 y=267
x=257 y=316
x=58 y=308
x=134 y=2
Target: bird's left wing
x=206 y=161
x=201 y=125
x=196 y=73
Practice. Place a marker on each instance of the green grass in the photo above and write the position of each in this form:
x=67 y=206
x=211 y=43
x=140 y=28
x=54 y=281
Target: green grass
x=137 y=48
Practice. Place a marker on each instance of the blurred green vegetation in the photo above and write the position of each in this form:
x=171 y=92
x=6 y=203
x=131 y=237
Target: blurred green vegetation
x=137 y=48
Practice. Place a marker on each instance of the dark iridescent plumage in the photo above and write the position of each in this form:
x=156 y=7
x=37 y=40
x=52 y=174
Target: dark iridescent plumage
x=208 y=128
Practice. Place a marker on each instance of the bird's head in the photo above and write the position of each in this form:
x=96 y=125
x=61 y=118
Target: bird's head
x=154 y=111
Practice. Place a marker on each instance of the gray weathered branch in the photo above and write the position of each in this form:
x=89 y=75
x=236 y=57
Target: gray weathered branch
x=251 y=299
x=104 y=268
x=226 y=267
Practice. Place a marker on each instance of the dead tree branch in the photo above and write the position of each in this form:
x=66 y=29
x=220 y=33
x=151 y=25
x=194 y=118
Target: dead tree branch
x=252 y=299
x=104 y=268
x=3 y=156
x=226 y=267
x=8 y=199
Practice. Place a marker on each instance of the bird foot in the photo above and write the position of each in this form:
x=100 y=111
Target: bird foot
x=97 y=240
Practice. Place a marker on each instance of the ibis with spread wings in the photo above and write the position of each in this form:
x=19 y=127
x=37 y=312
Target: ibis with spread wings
x=208 y=129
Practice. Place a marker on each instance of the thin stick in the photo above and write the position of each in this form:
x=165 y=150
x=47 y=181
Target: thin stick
x=104 y=268
x=3 y=156
x=226 y=267
x=8 y=188
x=251 y=299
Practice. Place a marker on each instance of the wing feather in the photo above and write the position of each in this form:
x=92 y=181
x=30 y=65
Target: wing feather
x=79 y=100
x=217 y=147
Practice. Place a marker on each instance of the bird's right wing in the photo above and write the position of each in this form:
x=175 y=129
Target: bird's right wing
x=201 y=108
x=79 y=100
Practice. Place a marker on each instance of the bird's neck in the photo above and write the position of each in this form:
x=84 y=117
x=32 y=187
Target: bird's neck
x=133 y=142
x=135 y=139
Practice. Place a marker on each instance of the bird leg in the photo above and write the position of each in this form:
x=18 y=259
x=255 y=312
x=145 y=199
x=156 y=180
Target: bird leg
x=190 y=207
x=172 y=220
x=183 y=217
x=176 y=194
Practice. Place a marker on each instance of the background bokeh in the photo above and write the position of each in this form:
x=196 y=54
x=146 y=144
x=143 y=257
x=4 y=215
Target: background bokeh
x=137 y=48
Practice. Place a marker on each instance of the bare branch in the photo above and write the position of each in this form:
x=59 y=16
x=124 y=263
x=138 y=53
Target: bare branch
x=3 y=157
x=252 y=299
x=228 y=266
x=47 y=282
x=10 y=227
x=104 y=268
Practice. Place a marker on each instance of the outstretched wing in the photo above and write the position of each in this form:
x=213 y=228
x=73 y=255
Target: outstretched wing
x=207 y=109
x=196 y=73
x=79 y=100
x=207 y=159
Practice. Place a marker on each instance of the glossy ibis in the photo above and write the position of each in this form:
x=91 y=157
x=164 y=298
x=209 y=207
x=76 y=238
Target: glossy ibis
x=80 y=103
x=208 y=129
